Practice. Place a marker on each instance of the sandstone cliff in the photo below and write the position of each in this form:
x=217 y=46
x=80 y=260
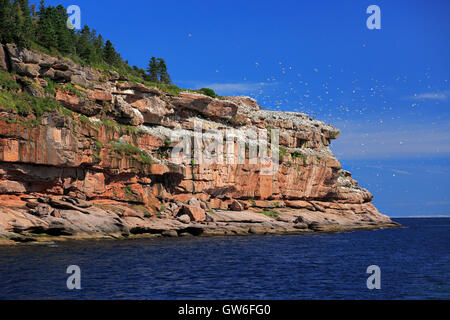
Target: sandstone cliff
x=97 y=163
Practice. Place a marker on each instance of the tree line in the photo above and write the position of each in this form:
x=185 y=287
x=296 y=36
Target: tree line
x=46 y=26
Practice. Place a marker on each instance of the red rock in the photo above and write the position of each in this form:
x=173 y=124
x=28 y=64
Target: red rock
x=99 y=95
x=133 y=213
x=298 y=204
x=7 y=186
x=183 y=197
x=159 y=169
x=195 y=213
x=61 y=155
x=206 y=105
x=73 y=102
x=153 y=109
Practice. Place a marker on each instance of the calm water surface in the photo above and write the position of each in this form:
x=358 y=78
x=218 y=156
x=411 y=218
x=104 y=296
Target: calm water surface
x=414 y=264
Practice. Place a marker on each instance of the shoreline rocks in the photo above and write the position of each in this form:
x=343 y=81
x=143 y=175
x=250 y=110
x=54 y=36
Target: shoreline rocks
x=67 y=219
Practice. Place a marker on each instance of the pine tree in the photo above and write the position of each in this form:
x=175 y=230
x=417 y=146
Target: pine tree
x=25 y=19
x=98 y=45
x=11 y=23
x=164 y=76
x=153 y=70
x=6 y=21
x=18 y=16
x=22 y=25
x=84 y=48
x=109 y=53
x=46 y=31
x=64 y=35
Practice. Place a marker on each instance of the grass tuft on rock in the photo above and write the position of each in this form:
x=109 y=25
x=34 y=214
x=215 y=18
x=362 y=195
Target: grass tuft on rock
x=24 y=104
x=130 y=151
x=7 y=82
x=271 y=214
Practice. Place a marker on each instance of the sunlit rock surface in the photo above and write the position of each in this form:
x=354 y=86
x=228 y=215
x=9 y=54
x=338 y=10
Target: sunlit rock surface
x=103 y=169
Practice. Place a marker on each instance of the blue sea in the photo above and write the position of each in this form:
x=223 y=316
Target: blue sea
x=414 y=262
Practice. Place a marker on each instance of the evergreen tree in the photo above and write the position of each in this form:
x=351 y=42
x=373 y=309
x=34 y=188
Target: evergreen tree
x=46 y=32
x=12 y=23
x=64 y=35
x=26 y=22
x=6 y=21
x=153 y=70
x=98 y=45
x=22 y=25
x=84 y=47
x=164 y=76
x=109 y=53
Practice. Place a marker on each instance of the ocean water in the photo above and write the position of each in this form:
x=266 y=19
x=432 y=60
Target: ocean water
x=414 y=263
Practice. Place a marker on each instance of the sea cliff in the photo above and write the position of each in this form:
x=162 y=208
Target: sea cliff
x=85 y=153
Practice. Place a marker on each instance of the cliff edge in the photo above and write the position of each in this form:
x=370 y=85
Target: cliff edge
x=87 y=153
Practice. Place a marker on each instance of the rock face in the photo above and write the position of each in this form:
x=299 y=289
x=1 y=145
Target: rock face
x=103 y=166
x=3 y=65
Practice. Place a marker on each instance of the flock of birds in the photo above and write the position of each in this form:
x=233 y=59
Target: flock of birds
x=340 y=95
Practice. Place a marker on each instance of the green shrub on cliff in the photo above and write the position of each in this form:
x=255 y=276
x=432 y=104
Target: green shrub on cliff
x=7 y=82
x=128 y=150
x=27 y=123
x=24 y=104
x=110 y=124
x=207 y=92
x=70 y=88
x=167 y=88
x=296 y=155
x=98 y=145
x=282 y=151
x=123 y=129
x=51 y=87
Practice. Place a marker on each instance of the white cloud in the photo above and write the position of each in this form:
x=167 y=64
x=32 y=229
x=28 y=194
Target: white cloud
x=438 y=203
x=443 y=95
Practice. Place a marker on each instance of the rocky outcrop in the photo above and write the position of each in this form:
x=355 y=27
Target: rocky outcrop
x=101 y=163
x=3 y=65
x=207 y=106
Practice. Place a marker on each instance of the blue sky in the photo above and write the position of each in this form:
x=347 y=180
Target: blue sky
x=387 y=90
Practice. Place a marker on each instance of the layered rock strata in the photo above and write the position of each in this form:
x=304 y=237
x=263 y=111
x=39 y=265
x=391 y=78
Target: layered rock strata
x=102 y=165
